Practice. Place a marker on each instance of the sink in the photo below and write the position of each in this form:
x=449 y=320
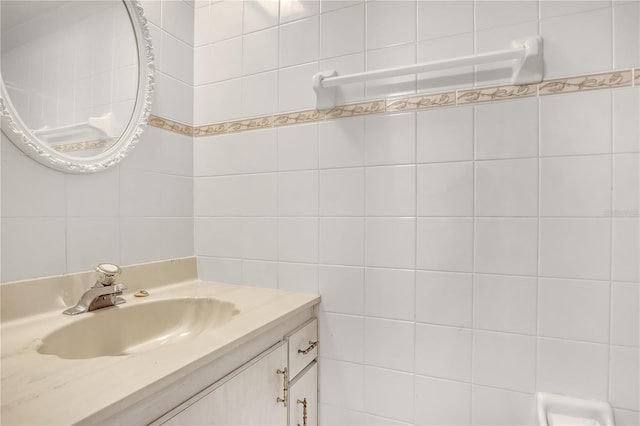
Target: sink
x=134 y=328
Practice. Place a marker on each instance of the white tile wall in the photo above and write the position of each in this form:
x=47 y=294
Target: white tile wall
x=102 y=232
x=342 y=143
x=444 y=298
x=342 y=337
x=260 y=14
x=297 y=147
x=389 y=293
x=342 y=288
x=573 y=368
x=442 y=402
x=575 y=248
x=505 y=303
x=298 y=239
x=492 y=406
x=625 y=314
x=578 y=43
x=298 y=193
x=561 y=132
x=291 y=10
x=33 y=246
x=506 y=246
x=445 y=244
x=259 y=52
x=624 y=387
x=390 y=242
x=398 y=20
x=298 y=277
x=390 y=139
x=438 y=19
x=443 y=352
x=507 y=188
x=626 y=35
x=341 y=241
x=342 y=192
x=388 y=393
x=563 y=315
x=344 y=384
x=496 y=225
x=260 y=274
x=445 y=189
x=397 y=351
x=506 y=129
x=505 y=361
x=390 y=191
x=445 y=135
x=342 y=31
x=299 y=42
x=575 y=186
x=491 y=14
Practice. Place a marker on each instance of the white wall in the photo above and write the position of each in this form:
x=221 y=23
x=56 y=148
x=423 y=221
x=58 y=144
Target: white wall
x=468 y=256
x=140 y=210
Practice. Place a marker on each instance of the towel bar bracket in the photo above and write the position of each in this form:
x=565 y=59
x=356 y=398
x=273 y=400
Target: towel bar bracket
x=529 y=69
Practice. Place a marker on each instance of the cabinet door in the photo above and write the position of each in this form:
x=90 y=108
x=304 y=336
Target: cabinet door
x=248 y=398
x=304 y=392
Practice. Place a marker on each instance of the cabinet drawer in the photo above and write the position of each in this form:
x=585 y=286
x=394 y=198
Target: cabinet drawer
x=303 y=347
x=303 y=398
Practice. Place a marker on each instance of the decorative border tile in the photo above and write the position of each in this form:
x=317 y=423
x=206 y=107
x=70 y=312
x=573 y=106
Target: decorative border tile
x=422 y=101
x=496 y=93
x=249 y=124
x=587 y=82
x=298 y=117
x=621 y=78
x=211 y=129
x=171 y=125
x=352 y=110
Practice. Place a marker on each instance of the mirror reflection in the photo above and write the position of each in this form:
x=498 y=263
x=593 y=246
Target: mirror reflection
x=70 y=68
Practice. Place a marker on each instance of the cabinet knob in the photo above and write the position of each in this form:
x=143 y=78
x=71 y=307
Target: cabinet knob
x=312 y=344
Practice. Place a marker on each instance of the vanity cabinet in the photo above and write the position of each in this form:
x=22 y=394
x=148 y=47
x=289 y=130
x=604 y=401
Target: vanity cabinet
x=245 y=397
x=278 y=387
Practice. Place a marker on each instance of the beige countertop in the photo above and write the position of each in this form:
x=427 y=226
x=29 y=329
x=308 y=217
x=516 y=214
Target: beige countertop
x=46 y=389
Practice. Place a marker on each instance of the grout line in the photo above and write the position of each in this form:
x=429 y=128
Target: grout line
x=539 y=244
x=611 y=222
x=474 y=84
x=473 y=251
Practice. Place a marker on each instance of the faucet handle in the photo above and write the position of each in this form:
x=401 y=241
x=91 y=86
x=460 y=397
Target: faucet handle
x=107 y=273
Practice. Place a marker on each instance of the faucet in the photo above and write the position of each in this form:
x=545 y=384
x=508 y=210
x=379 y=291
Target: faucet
x=104 y=292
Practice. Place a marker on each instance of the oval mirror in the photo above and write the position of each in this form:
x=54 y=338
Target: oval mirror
x=77 y=79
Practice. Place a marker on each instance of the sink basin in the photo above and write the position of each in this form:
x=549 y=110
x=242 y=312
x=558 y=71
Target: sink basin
x=134 y=328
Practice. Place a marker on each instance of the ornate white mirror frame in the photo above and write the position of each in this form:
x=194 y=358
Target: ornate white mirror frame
x=25 y=139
